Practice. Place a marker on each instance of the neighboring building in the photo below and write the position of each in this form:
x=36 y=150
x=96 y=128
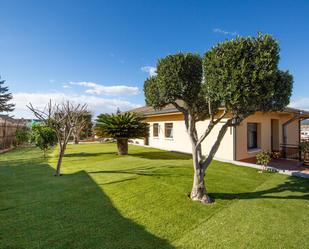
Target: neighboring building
x=305 y=131
x=272 y=131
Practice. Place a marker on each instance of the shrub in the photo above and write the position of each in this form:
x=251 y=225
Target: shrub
x=43 y=137
x=22 y=136
x=304 y=146
x=263 y=159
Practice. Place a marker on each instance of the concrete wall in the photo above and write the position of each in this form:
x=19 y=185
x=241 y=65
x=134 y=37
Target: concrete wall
x=180 y=141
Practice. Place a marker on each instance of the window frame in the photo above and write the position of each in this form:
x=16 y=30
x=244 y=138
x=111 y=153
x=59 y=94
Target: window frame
x=171 y=130
x=153 y=129
x=257 y=136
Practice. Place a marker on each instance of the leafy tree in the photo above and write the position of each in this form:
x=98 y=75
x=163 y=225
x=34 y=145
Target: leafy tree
x=22 y=136
x=43 y=137
x=235 y=79
x=5 y=97
x=121 y=126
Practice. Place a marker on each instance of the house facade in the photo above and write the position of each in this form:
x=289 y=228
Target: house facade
x=271 y=131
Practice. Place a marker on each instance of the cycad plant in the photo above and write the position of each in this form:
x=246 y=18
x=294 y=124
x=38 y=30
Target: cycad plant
x=121 y=126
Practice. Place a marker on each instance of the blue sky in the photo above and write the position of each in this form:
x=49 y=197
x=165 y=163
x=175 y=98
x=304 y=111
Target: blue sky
x=100 y=52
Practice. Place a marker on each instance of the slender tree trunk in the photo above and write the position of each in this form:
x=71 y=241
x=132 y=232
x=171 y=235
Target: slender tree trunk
x=215 y=147
x=122 y=145
x=76 y=139
x=61 y=153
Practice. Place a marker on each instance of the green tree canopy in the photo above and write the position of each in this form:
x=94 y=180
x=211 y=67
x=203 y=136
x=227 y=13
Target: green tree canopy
x=5 y=97
x=43 y=137
x=233 y=80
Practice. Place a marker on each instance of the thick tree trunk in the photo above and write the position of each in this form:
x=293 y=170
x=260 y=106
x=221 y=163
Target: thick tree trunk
x=198 y=192
x=122 y=145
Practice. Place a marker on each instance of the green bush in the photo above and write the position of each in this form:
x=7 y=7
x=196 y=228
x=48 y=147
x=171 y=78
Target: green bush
x=22 y=136
x=304 y=146
x=263 y=158
x=43 y=137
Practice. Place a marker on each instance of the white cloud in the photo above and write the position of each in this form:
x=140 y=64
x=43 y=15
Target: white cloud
x=152 y=71
x=66 y=86
x=95 y=88
x=224 y=32
x=95 y=104
x=301 y=103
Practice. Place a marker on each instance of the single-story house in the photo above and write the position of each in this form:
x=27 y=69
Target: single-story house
x=271 y=131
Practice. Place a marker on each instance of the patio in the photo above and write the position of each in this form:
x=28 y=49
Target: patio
x=281 y=164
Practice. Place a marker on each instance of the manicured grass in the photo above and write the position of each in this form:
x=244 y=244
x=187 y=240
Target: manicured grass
x=140 y=201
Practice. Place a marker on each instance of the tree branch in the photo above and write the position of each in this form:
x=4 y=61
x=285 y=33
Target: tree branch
x=211 y=125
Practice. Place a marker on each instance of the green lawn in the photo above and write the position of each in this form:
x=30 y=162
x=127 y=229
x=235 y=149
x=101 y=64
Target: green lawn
x=140 y=201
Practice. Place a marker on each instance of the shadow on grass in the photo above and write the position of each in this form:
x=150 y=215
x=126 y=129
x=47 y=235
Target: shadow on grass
x=152 y=155
x=144 y=171
x=88 y=154
x=293 y=184
x=71 y=211
x=161 y=155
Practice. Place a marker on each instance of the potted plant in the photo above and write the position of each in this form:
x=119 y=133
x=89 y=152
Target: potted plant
x=304 y=148
x=263 y=159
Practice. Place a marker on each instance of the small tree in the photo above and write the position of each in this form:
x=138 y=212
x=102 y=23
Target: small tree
x=22 y=136
x=5 y=97
x=83 y=127
x=304 y=149
x=235 y=79
x=122 y=126
x=43 y=137
x=62 y=118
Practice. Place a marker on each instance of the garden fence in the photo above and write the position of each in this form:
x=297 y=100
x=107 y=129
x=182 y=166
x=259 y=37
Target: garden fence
x=8 y=127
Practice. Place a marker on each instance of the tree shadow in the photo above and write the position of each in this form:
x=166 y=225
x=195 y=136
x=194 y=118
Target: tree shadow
x=152 y=155
x=89 y=154
x=161 y=155
x=292 y=184
x=142 y=171
x=70 y=211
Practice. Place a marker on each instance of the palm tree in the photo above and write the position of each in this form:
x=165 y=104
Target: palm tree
x=121 y=126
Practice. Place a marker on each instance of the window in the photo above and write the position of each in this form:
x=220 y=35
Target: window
x=168 y=130
x=252 y=136
x=155 y=130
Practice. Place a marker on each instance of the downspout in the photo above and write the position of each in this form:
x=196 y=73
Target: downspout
x=234 y=144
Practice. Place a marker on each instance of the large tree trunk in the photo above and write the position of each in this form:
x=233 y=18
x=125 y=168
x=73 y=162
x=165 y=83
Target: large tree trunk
x=122 y=145
x=198 y=192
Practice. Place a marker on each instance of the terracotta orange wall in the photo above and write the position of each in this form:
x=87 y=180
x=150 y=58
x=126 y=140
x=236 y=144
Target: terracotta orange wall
x=264 y=119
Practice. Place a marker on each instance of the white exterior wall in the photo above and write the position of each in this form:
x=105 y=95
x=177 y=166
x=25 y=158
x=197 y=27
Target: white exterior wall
x=180 y=141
